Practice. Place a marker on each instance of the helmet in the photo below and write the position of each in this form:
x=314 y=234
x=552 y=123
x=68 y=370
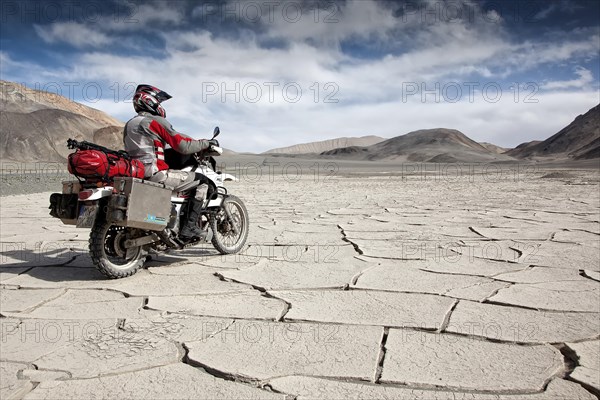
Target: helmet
x=148 y=98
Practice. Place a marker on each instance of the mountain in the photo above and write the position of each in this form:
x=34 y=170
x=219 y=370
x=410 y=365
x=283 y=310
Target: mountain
x=427 y=145
x=35 y=125
x=325 y=145
x=590 y=150
x=580 y=140
x=520 y=148
x=493 y=148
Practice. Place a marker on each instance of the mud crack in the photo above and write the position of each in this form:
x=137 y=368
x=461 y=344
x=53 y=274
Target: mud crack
x=345 y=239
x=381 y=356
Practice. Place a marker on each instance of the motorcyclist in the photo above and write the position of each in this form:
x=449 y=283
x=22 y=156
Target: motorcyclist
x=145 y=137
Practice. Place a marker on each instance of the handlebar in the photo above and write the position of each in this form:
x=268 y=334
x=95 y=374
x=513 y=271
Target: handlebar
x=208 y=153
x=216 y=149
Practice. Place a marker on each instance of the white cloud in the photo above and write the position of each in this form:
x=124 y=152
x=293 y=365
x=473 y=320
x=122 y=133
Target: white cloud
x=564 y=6
x=506 y=123
x=144 y=16
x=544 y=13
x=100 y=31
x=117 y=109
x=73 y=33
x=372 y=92
x=26 y=71
x=530 y=54
x=331 y=23
x=585 y=79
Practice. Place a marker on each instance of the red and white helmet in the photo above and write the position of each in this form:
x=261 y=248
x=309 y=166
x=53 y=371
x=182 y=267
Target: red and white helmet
x=148 y=98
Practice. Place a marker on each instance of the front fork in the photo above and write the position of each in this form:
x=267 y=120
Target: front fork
x=230 y=220
x=222 y=199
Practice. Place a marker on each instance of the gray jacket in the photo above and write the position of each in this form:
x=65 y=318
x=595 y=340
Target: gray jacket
x=145 y=137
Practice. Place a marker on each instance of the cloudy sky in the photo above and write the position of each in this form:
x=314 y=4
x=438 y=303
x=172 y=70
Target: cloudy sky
x=272 y=73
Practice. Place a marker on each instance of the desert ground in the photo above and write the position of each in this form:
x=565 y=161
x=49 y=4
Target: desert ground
x=420 y=282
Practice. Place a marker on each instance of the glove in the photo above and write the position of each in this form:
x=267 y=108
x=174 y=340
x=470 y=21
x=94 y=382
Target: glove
x=205 y=144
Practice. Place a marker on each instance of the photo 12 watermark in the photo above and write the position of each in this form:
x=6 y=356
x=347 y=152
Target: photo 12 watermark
x=272 y=171
x=94 y=11
x=269 y=333
x=464 y=255
x=48 y=332
x=269 y=12
x=12 y=171
x=251 y=92
x=454 y=333
x=36 y=253
x=469 y=172
x=271 y=92
x=454 y=92
x=289 y=252
x=492 y=12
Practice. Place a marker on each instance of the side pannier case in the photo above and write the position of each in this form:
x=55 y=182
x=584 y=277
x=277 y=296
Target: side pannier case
x=140 y=204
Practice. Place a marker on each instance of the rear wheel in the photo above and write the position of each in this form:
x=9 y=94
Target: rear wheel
x=225 y=239
x=109 y=254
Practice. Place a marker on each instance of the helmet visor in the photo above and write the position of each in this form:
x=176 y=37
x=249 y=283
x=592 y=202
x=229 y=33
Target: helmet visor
x=159 y=95
x=162 y=96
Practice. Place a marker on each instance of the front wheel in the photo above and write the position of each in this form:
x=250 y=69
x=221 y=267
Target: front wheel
x=233 y=214
x=109 y=254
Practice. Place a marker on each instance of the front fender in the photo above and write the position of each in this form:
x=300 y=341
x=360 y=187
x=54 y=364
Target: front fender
x=215 y=202
x=229 y=177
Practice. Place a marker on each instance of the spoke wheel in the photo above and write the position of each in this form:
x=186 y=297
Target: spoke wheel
x=109 y=254
x=225 y=240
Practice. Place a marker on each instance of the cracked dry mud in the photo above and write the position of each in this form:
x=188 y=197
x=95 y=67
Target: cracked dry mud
x=352 y=287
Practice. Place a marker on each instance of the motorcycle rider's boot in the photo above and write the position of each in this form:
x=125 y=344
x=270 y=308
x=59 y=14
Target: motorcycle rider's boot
x=190 y=228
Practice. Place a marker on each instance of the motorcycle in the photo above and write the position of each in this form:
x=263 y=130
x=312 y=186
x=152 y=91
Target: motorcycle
x=131 y=217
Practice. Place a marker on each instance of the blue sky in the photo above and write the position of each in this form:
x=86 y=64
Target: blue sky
x=272 y=73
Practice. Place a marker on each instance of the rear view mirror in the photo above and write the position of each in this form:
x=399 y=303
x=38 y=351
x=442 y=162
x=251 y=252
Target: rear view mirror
x=216 y=132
